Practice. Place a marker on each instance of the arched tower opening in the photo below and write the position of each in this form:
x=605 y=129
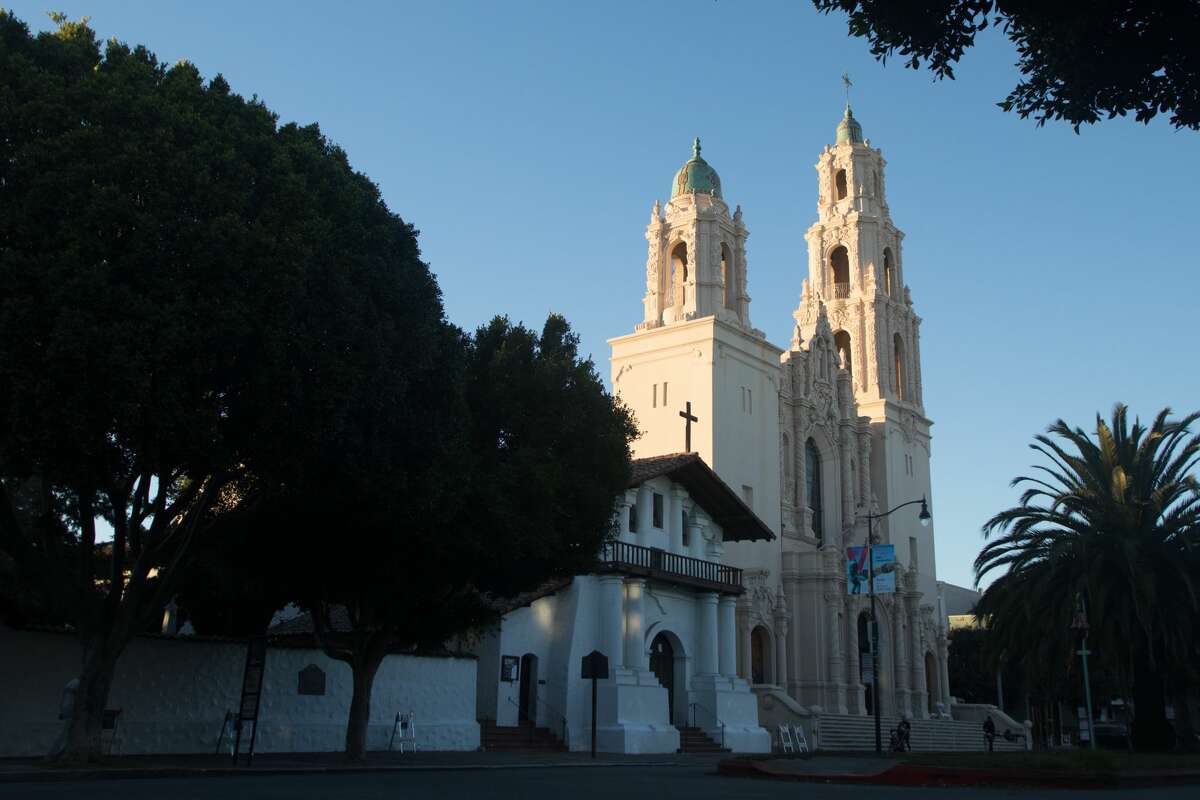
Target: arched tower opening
x=760 y=655
x=901 y=379
x=812 y=473
x=889 y=273
x=841 y=341
x=840 y=190
x=679 y=274
x=839 y=265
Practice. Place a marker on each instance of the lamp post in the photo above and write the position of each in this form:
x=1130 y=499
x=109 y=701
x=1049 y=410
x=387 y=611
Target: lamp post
x=924 y=517
x=1079 y=622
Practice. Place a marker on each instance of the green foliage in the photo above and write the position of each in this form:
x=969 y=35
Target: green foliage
x=1079 y=62
x=1116 y=520
x=972 y=677
x=200 y=311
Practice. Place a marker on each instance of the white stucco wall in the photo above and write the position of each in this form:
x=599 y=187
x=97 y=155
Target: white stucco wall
x=174 y=694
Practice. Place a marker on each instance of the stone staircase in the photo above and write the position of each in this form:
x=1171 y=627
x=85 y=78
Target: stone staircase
x=694 y=740
x=846 y=732
x=523 y=737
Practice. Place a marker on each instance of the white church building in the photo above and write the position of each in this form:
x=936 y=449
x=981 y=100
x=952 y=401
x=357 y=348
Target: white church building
x=723 y=600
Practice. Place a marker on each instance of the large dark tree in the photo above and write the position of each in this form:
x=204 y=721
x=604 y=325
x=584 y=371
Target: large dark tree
x=196 y=307
x=1080 y=62
x=1112 y=518
x=524 y=454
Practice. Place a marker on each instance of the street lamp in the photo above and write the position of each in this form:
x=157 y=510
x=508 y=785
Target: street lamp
x=1079 y=622
x=925 y=518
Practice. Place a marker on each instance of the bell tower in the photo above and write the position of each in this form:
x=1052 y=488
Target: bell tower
x=695 y=351
x=696 y=266
x=856 y=275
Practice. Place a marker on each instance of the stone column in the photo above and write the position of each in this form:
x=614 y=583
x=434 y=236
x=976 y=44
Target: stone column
x=920 y=697
x=835 y=664
x=696 y=527
x=612 y=618
x=781 y=643
x=856 y=698
x=623 y=505
x=727 y=635
x=943 y=647
x=635 y=623
x=645 y=514
x=675 y=521
x=745 y=658
x=900 y=637
x=706 y=641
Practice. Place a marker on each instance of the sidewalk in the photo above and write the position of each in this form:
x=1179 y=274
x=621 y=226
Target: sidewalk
x=884 y=772
x=152 y=766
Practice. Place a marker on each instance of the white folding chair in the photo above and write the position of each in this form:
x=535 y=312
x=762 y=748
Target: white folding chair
x=801 y=742
x=405 y=730
x=785 y=739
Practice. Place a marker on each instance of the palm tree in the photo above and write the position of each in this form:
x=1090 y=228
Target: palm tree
x=1116 y=518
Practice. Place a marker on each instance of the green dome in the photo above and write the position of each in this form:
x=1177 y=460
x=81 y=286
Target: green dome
x=696 y=176
x=848 y=130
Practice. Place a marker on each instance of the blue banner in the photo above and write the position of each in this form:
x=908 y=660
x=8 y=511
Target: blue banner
x=883 y=557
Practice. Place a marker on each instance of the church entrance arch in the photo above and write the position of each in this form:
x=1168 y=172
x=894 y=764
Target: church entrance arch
x=760 y=655
x=667 y=664
x=527 y=710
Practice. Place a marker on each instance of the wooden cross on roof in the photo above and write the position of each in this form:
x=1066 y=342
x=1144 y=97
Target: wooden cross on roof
x=689 y=418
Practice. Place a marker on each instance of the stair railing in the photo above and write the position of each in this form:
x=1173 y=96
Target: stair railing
x=692 y=719
x=561 y=716
x=556 y=713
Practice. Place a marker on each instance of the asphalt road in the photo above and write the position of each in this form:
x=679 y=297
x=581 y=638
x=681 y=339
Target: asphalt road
x=694 y=782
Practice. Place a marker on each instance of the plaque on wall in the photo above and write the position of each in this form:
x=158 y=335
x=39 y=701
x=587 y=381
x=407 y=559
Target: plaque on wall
x=312 y=680
x=510 y=668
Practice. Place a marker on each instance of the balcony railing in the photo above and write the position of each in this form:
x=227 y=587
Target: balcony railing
x=656 y=563
x=841 y=291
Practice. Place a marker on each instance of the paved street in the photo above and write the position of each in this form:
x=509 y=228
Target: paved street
x=576 y=783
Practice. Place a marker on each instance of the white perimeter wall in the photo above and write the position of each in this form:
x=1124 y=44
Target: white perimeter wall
x=174 y=694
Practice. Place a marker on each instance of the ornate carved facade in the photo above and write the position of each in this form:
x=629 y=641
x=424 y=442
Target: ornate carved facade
x=816 y=436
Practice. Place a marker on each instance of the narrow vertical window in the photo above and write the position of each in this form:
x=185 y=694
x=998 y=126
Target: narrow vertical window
x=914 y=555
x=654 y=396
x=664 y=393
x=901 y=386
x=658 y=510
x=633 y=518
x=684 y=527
x=812 y=467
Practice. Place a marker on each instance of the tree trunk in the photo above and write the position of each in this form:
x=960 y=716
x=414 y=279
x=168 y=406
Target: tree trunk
x=363 y=670
x=1151 y=730
x=83 y=734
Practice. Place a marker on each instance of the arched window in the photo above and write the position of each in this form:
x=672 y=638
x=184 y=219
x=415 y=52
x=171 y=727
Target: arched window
x=760 y=655
x=812 y=469
x=839 y=262
x=679 y=274
x=841 y=340
x=728 y=277
x=839 y=185
x=889 y=275
x=901 y=379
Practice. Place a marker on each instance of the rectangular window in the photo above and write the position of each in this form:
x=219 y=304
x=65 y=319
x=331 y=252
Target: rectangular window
x=633 y=517
x=748 y=495
x=654 y=396
x=658 y=510
x=664 y=394
x=683 y=524
x=749 y=401
x=914 y=556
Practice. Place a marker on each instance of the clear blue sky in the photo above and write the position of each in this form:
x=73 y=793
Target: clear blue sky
x=1055 y=273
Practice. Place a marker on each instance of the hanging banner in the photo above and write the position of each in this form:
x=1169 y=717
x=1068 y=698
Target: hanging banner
x=884 y=558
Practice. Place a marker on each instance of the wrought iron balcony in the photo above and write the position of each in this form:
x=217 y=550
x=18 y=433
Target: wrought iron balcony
x=660 y=565
x=841 y=291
